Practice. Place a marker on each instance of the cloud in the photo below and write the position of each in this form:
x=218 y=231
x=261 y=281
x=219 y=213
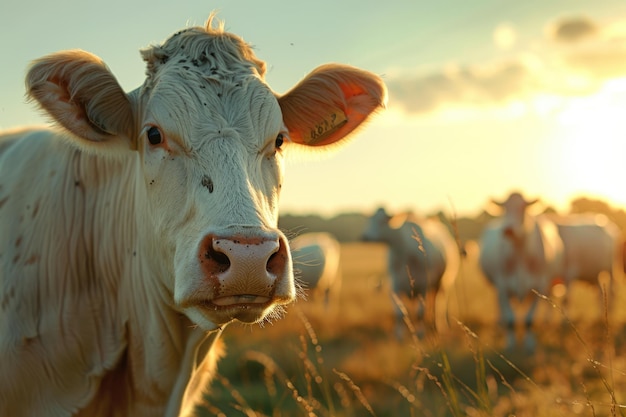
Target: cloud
x=578 y=63
x=461 y=85
x=573 y=29
x=602 y=63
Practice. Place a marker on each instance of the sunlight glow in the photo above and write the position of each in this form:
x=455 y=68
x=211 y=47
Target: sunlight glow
x=591 y=149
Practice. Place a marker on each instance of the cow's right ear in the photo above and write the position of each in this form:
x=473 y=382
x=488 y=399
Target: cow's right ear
x=80 y=93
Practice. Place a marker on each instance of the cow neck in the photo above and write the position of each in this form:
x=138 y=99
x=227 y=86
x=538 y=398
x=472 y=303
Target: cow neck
x=161 y=343
x=159 y=338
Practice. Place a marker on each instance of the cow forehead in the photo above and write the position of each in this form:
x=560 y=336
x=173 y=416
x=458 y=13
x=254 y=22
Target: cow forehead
x=201 y=84
x=213 y=51
x=197 y=110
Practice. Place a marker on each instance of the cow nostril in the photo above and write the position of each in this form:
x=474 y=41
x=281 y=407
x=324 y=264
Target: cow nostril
x=220 y=261
x=277 y=261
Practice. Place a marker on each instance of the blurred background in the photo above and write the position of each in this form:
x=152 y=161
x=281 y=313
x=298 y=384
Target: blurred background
x=484 y=96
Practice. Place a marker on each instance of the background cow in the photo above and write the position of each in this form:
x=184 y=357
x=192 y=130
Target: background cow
x=423 y=261
x=316 y=263
x=520 y=253
x=592 y=247
x=136 y=231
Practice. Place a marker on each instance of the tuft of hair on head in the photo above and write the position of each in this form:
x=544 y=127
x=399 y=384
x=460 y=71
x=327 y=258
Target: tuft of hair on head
x=214 y=25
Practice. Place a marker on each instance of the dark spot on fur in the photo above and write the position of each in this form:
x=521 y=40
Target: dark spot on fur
x=4 y=200
x=31 y=260
x=16 y=258
x=18 y=241
x=207 y=183
x=182 y=61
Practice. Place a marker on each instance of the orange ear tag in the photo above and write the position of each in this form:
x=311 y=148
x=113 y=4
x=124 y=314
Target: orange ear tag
x=318 y=134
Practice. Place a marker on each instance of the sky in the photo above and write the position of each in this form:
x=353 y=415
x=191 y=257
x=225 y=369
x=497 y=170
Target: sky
x=485 y=96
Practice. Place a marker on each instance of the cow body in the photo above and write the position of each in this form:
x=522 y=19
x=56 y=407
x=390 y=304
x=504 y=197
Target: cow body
x=592 y=246
x=316 y=258
x=146 y=222
x=520 y=253
x=423 y=259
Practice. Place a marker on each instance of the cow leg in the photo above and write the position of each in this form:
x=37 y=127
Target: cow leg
x=399 y=324
x=427 y=313
x=507 y=317
x=565 y=301
x=530 y=339
x=400 y=312
x=605 y=292
x=326 y=298
x=528 y=320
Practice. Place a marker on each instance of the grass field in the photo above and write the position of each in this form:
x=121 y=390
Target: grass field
x=345 y=360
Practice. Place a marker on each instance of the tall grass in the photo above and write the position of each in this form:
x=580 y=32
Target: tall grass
x=348 y=362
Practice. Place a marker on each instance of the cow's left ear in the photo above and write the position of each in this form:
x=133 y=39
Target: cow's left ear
x=330 y=103
x=80 y=93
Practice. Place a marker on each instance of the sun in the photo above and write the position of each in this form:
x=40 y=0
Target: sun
x=590 y=152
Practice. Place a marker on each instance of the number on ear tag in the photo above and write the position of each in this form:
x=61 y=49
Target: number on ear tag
x=326 y=127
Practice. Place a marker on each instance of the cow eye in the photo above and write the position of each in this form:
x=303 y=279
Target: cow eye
x=279 y=140
x=154 y=136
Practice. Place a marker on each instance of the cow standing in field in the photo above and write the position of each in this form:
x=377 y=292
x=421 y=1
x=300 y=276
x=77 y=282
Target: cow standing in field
x=423 y=261
x=520 y=253
x=316 y=259
x=592 y=247
x=133 y=233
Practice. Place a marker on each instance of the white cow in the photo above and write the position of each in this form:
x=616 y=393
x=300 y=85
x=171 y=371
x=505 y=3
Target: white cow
x=520 y=253
x=316 y=259
x=423 y=260
x=134 y=232
x=592 y=246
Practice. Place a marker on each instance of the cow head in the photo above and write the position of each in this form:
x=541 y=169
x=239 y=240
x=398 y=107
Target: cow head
x=378 y=228
x=514 y=215
x=208 y=136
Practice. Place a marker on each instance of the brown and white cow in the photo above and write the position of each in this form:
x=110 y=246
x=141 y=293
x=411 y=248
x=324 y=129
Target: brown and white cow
x=147 y=221
x=520 y=252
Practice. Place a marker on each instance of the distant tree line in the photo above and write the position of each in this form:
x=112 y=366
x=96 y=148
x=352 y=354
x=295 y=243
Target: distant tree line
x=348 y=227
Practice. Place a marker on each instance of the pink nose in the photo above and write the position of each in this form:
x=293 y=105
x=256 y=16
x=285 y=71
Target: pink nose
x=246 y=270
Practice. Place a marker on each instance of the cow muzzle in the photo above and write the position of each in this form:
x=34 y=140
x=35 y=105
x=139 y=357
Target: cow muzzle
x=247 y=276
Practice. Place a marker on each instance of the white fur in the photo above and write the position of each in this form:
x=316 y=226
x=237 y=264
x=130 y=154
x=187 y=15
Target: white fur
x=109 y=291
